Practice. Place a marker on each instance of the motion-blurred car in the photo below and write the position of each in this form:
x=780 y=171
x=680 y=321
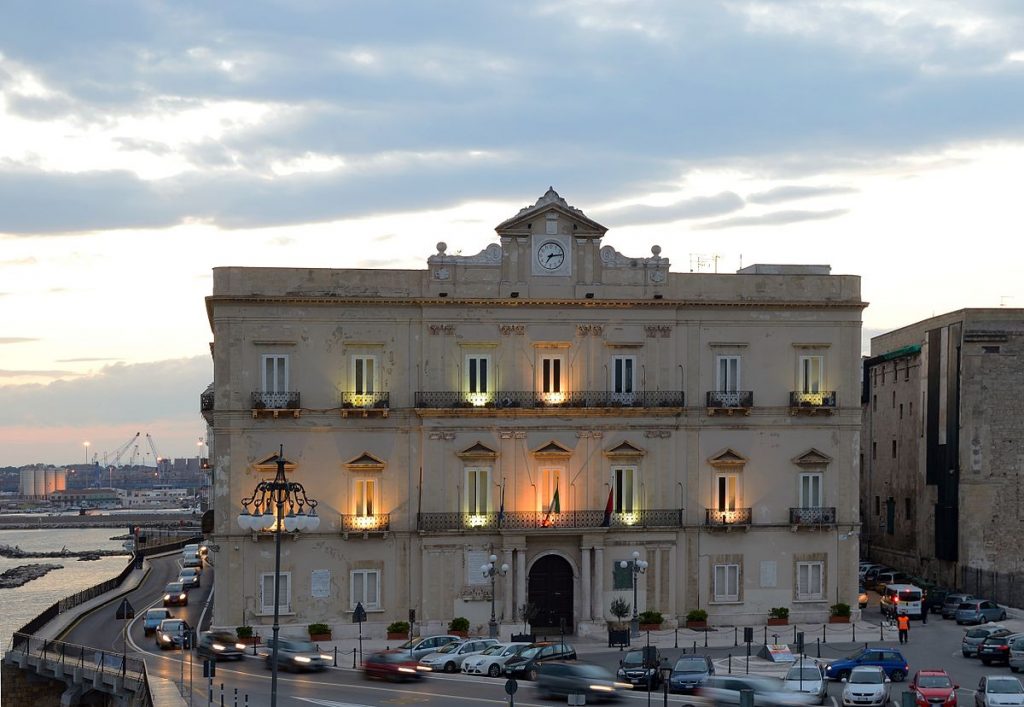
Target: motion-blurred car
x=559 y=679
x=173 y=633
x=952 y=602
x=394 y=665
x=889 y=659
x=449 y=658
x=975 y=636
x=808 y=678
x=862 y=596
x=525 y=664
x=633 y=671
x=189 y=577
x=999 y=691
x=768 y=692
x=419 y=647
x=175 y=594
x=690 y=672
x=151 y=621
x=979 y=611
x=219 y=645
x=492 y=661
x=996 y=649
x=867 y=685
x=1017 y=654
x=294 y=654
x=933 y=687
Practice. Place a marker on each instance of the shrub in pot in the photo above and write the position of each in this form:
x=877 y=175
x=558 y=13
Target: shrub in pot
x=650 y=620
x=839 y=613
x=319 y=632
x=697 y=618
x=620 y=610
x=778 y=616
x=459 y=626
x=398 y=629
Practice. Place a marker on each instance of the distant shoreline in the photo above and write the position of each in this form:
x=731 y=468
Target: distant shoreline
x=145 y=520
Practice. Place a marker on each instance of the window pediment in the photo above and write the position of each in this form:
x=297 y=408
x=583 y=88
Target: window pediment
x=365 y=462
x=552 y=450
x=812 y=457
x=624 y=450
x=477 y=452
x=268 y=465
x=728 y=458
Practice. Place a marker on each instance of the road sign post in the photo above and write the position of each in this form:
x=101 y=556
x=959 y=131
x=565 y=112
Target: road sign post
x=125 y=612
x=510 y=689
x=359 y=616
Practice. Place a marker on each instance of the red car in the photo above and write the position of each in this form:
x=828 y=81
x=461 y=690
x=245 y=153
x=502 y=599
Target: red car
x=932 y=688
x=391 y=665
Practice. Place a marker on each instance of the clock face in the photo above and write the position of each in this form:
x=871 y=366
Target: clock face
x=551 y=255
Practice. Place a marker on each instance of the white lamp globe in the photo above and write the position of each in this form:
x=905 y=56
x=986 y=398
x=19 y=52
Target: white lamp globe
x=504 y=569
x=313 y=521
x=484 y=569
x=301 y=520
x=267 y=519
x=636 y=555
x=243 y=519
x=493 y=559
x=290 y=524
x=623 y=564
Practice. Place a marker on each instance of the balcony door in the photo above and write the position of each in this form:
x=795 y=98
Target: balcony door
x=811 y=374
x=726 y=491
x=810 y=490
x=275 y=373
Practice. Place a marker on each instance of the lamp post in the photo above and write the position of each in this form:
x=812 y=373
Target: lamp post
x=268 y=503
x=491 y=571
x=638 y=568
x=86 y=445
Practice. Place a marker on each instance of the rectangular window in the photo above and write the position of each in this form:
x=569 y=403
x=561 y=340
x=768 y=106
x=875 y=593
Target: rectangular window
x=275 y=373
x=267 y=593
x=364 y=587
x=901 y=411
x=908 y=508
x=874 y=450
x=727 y=583
x=478 y=491
x=728 y=374
x=810 y=490
x=623 y=374
x=477 y=374
x=906 y=373
x=365 y=497
x=878 y=506
x=809 y=580
x=625 y=489
x=551 y=374
x=364 y=375
x=811 y=370
x=894 y=449
x=725 y=492
x=550 y=500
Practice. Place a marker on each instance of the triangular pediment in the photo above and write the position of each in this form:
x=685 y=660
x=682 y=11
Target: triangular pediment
x=727 y=457
x=520 y=224
x=477 y=451
x=624 y=450
x=268 y=465
x=552 y=450
x=365 y=462
x=812 y=457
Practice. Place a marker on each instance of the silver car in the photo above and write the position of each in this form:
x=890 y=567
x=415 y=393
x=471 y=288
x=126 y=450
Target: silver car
x=492 y=661
x=1017 y=654
x=976 y=636
x=419 y=647
x=999 y=691
x=808 y=678
x=867 y=685
x=979 y=611
x=768 y=692
x=449 y=658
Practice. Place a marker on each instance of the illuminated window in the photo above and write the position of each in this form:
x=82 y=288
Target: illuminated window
x=726 y=486
x=364 y=586
x=275 y=373
x=727 y=583
x=365 y=493
x=625 y=489
x=809 y=580
x=364 y=374
x=551 y=374
x=267 y=593
x=477 y=372
x=550 y=498
x=478 y=491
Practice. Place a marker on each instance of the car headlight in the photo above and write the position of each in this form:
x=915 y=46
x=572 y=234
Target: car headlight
x=217 y=647
x=165 y=639
x=326 y=657
x=240 y=646
x=624 y=685
x=601 y=688
x=182 y=595
x=167 y=597
x=302 y=659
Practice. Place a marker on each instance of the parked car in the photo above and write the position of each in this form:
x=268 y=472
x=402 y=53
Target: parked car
x=419 y=647
x=935 y=598
x=175 y=594
x=933 y=687
x=999 y=691
x=492 y=661
x=449 y=657
x=558 y=679
x=889 y=659
x=1017 y=654
x=220 y=645
x=871 y=576
x=884 y=579
x=690 y=672
x=867 y=685
x=768 y=692
x=979 y=611
x=173 y=633
x=952 y=602
x=974 y=637
x=297 y=655
x=151 y=621
x=807 y=678
x=525 y=664
x=636 y=673
x=391 y=665
x=189 y=577
x=996 y=649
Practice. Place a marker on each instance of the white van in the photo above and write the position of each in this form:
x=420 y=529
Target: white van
x=898 y=599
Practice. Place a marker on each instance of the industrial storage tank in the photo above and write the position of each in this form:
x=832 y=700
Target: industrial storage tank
x=39 y=485
x=49 y=480
x=60 y=480
x=26 y=486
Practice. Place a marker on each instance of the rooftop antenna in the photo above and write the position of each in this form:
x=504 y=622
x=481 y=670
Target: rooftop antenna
x=704 y=263
x=1003 y=298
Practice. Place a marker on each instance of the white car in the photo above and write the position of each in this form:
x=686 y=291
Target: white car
x=492 y=661
x=999 y=691
x=449 y=659
x=807 y=678
x=867 y=686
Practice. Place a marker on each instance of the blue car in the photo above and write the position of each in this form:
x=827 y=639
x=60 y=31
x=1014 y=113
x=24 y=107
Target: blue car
x=979 y=611
x=889 y=659
x=152 y=619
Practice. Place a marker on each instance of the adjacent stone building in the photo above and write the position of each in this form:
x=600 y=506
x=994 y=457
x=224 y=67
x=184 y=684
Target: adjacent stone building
x=941 y=486
x=551 y=401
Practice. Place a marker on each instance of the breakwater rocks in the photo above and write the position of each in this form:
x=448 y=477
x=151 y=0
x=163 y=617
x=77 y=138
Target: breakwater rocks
x=17 y=553
x=17 y=576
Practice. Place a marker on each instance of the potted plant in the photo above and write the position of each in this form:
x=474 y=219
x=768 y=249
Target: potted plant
x=839 y=614
x=697 y=619
x=459 y=626
x=620 y=610
x=398 y=630
x=319 y=632
x=778 y=616
x=245 y=635
x=618 y=632
x=650 y=620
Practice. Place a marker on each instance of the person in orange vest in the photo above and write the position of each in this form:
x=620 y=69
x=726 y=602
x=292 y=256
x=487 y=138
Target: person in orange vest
x=903 y=624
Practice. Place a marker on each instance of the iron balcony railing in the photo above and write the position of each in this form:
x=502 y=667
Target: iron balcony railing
x=376 y=523
x=821 y=399
x=820 y=515
x=721 y=519
x=525 y=520
x=364 y=401
x=730 y=399
x=206 y=402
x=262 y=400
x=510 y=399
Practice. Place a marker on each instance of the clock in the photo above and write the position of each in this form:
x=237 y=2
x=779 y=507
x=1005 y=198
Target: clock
x=551 y=255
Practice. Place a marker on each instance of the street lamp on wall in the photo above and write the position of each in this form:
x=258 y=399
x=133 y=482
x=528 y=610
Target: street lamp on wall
x=491 y=571
x=638 y=568
x=268 y=502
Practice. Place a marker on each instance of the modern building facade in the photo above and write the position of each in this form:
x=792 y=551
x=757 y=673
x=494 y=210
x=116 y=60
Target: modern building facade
x=550 y=401
x=941 y=489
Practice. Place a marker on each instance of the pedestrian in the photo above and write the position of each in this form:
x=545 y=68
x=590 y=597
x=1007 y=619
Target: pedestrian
x=926 y=608
x=903 y=624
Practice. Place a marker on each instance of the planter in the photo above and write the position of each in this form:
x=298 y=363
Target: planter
x=319 y=637
x=396 y=635
x=250 y=640
x=650 y=627
x=839 y=619
x=773 y=621
x=460 y=634
x=697 y=625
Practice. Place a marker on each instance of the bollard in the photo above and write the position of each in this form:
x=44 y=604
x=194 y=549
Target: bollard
x=881 y=632
x=730 y=664
x=766 y=635
x=335 y=656
x=794 y=633
x=746 y=698
x=854 y=640
x=677 y=638
x=819 y=649
x=705 y=638
x=695 y=647
x=735 y=637
x=353 y=658
x=824 y=637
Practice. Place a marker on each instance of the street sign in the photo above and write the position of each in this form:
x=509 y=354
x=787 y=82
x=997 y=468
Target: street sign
x=209 y=668
x=511 y=686
x=125 y=610
x=359 y=615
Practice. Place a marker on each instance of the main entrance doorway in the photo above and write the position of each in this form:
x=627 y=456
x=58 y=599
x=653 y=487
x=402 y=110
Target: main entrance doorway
x=550 y=592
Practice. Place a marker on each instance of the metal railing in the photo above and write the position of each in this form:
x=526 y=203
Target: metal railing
x=91 y=662
x=821 y=515
x=511 y=399
x=262 y=400
x=722 y=519
x=524 y=520
x=206 y=402
x=351 y=400
x=821 y=399
x=730 y=399
x=379 y=522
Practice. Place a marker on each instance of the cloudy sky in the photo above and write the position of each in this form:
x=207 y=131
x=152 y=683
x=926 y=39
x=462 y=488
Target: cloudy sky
x=143 y=143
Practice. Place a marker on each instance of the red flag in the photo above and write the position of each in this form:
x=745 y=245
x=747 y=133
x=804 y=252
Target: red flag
x=608 y=510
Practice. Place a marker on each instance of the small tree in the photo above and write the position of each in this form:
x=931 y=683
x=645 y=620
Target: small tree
x=619 y=608
x=527 y=612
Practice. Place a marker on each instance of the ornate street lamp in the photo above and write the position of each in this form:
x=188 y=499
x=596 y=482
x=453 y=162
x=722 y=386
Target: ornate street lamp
x=638 y=568
x=491 y=571
x=268 y=503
